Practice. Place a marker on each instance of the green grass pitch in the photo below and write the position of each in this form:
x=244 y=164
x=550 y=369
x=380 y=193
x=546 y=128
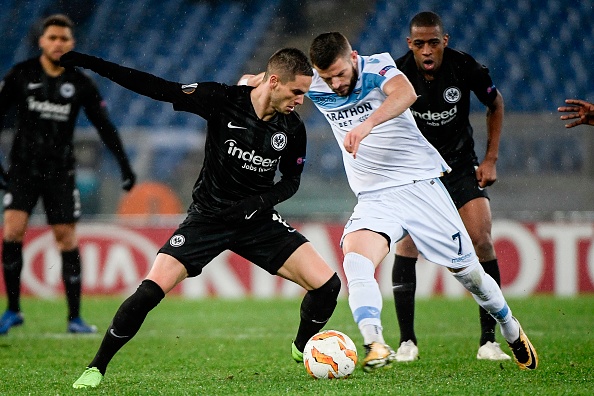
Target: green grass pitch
x=242 y=347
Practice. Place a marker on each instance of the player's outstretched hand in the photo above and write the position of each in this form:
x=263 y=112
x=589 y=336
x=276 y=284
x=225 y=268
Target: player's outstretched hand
x=74 y=58
x=243 y=210
x=580 y=109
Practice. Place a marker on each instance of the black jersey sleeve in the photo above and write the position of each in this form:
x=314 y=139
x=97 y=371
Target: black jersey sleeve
x=8 y=92
x=8 y=89
x=183 y=96
x=480 y=81
x=96 y=112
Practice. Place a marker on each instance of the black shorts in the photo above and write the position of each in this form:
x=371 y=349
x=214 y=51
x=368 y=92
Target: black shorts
x=266 y=240
x=462 y=185
x=61 y=199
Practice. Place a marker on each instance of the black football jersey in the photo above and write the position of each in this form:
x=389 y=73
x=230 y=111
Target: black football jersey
x=242 y=152
x=46 y=112
x=443 y=104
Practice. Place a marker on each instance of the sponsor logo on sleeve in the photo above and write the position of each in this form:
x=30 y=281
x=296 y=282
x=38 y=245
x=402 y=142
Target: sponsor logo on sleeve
x=189 y=88
x=385 y=70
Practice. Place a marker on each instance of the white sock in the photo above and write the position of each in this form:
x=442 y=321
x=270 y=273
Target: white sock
x=487 y=294
x=371 y=332
x=365 y=298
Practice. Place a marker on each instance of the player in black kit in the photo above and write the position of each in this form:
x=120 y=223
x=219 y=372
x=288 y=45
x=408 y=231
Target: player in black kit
x=250 y=133
x=443 y=79
x=48 y=98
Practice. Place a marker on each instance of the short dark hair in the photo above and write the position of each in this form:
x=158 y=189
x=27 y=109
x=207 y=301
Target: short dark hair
x=426 y=19
x=57 y=20
x=327 y=48
x=288 y=63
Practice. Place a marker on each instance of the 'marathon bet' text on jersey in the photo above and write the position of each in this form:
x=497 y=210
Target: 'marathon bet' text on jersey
x=395 y=152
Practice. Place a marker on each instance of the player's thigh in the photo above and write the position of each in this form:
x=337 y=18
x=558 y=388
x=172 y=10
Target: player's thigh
x=167 y=272
x=306 y=268
x=65 y=235
x=196 y=243
x=268 y=241
x=406 y=247
x=376 y=222
x=370 y=244
x=462 y=184
x=476 y=215
x=15 y=225
x=435 y=225
x=61 y=198
x=19 y=200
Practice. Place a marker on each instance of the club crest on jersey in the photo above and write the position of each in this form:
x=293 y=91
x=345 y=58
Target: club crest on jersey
x=278 y=141
x=452 y=95
x=189 y=88
x=177 y=240
x=67 y=90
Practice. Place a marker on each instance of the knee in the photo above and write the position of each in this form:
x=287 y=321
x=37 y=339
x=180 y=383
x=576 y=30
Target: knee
x=406 y=247
x=65 y=237
x=13 y=233
x=320 y=303
x=147 y=295
x=330 y=289
x=483 y=245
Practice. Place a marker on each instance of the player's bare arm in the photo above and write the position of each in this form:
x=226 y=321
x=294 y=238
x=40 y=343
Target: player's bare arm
x=400 y=96
x=486 y=173
x=580 y=109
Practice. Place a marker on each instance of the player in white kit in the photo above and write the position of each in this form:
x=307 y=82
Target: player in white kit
x=394 y=171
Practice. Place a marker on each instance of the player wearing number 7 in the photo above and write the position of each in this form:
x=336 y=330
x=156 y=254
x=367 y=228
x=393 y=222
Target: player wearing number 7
x=394 y=172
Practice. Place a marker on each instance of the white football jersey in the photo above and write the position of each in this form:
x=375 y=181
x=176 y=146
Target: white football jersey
x=395 y=152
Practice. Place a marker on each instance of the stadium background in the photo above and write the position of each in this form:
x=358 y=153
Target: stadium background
x=539 y=53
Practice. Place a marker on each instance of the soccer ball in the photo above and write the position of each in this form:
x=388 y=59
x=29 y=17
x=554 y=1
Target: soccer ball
x=330 y=354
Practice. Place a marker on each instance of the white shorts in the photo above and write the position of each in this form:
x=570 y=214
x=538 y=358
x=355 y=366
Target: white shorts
x=425 y=211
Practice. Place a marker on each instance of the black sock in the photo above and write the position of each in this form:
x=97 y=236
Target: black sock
x=487 y=321
x=404 y=285
x=71 y=275
x=127 y=322
x=316 y=308
x=12 y=260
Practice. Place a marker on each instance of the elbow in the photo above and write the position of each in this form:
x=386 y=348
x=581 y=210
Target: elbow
x=412 y=98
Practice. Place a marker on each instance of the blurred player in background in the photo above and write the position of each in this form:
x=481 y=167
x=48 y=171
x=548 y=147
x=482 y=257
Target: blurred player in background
x=394 y=172
x=443 y=79
x=251 y=132
x=581 y=109
x=47 y=98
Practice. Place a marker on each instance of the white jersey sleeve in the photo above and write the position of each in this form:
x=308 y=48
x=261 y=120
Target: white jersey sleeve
x=395 y=152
